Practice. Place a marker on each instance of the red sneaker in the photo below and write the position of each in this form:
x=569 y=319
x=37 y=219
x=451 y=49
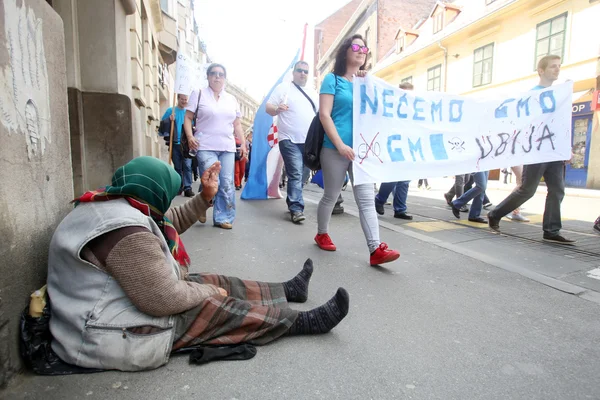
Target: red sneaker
x=324 y=242
x=383 y=255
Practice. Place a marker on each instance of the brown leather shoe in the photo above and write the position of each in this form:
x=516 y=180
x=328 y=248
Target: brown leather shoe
x=224 y=225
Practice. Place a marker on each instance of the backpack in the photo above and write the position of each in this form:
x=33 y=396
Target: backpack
x=314 y=141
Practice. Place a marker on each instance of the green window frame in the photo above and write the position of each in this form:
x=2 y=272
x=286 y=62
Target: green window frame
x=483 y=63
x=551 y=37
x=407 y=79
x=434 y=78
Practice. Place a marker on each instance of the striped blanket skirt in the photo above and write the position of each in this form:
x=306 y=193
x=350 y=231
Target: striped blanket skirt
x=254 y=312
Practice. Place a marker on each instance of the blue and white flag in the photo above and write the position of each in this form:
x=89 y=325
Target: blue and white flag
x=266 y=162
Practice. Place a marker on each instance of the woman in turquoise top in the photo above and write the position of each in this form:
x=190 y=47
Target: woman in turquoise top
x=335 y=110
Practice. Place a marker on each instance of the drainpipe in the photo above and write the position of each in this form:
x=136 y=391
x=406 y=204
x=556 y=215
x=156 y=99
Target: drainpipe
x=445 y=63
x=377 y=25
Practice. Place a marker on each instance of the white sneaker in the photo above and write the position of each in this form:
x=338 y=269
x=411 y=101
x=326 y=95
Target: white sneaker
x=517 y=217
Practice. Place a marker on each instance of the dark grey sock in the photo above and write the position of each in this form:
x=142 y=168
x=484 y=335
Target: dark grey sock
x=322 y=319
x=296 y=289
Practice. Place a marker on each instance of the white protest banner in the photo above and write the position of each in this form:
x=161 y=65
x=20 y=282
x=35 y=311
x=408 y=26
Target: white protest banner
x=402 y=135
x=189 y=75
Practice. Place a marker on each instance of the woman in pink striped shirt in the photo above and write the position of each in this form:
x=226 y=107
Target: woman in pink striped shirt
x=217 y=120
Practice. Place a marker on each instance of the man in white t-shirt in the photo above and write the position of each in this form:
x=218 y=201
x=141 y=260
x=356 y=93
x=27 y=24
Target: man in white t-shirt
x=295 y=107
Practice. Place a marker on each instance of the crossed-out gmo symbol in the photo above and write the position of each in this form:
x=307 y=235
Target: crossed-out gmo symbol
x=365 y=148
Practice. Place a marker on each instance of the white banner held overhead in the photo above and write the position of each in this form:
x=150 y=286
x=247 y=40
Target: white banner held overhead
x=402 y=135
x=189 y=75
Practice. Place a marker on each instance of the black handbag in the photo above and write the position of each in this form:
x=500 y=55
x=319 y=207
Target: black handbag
x=314 y=140
x=314 y=144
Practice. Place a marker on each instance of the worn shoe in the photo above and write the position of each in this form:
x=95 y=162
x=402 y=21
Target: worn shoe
x=419 y=187
x=455 y=211
x=558 y=239
x=464 y=209
x=224 y=225
x=403 y=216
x=517 y=217
x=487 y=206
x=238 y=188
x=428 y=187
x=379 y=208
x=479 y=220
x=383 y=255
x=324 y=242
x=298 y=217
x=189 y=193
x=494 y=223
x=448 y=198
x=338 y=209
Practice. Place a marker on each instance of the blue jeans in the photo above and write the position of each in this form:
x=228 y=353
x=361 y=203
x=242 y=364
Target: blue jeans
x=183 y=166
x=296 y=173
x=224 y=203
x=476 y=194
x=400 y=194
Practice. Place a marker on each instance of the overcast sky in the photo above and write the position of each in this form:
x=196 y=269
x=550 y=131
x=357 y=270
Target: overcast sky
x=257 y=39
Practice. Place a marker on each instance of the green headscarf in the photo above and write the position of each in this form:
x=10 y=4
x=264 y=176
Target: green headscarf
x=149 y=185
x=147 y=179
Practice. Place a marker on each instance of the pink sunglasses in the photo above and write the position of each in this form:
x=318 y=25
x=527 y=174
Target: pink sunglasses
x=357 y=47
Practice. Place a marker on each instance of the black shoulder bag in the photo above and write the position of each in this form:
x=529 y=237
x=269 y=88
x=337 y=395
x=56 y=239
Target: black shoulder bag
x=315 y=137
x=185 y=145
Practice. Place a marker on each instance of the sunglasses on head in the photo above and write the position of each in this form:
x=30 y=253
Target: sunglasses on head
x=300 y=70
x=357 y=47
x=218 y=74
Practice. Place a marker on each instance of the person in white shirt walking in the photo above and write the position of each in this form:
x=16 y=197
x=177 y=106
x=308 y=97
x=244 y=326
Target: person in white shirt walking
x=295 y=105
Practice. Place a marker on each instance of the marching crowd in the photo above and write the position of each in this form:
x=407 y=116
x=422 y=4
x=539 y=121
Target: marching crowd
x=122 y=297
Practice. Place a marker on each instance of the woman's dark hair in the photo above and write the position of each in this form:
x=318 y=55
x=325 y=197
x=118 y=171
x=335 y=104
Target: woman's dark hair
x=339 y=68
x=213 y=66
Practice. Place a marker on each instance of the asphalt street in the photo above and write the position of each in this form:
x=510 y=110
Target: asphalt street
x=463 y=314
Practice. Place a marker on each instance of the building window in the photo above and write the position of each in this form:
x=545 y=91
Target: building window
x=407 y=79
x=438 y=22
x=168 y=7
x=483 y=61
x=400 y=44
x=434 y=78
x=164 y=5
x=367 y=34
x=551 y=38
x=189 y=33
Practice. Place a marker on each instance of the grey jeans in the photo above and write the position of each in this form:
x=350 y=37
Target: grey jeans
x=458 y=189
x=554 y=176
x=334 y=167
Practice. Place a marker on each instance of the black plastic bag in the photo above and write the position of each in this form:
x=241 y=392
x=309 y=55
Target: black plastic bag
x=36 y=351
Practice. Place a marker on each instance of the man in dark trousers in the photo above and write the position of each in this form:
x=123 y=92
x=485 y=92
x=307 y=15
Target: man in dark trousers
x=553 y=173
